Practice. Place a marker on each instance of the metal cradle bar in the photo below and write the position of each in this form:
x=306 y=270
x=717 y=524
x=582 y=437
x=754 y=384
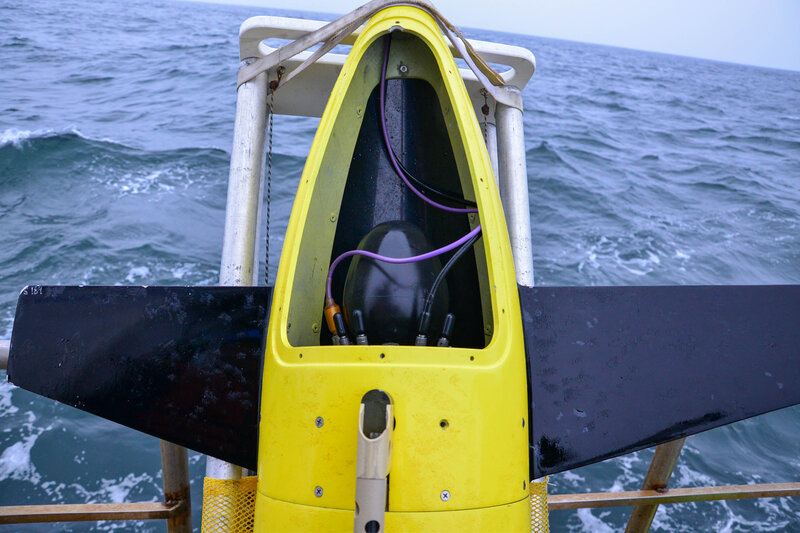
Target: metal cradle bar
x=491 y=146
x=175 y=471
x=661 y=467
x=560 y=502
x=245 y=184
x=243 y=209
x=4 y=346
x=513 y=180
x=310 y=90
x=27 y=514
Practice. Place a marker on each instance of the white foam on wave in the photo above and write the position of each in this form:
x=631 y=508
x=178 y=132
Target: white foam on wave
x=593 y=524
x=195 y=458
x=689 y=477
x=109 y=491
x=631 y=468
x=6 y=406
x=181 y=271
x=148 y=180
x=571 y=477
x=165 y=179
x=722 y=517
x=736 y=522
x=772 y=507
x=139 y=272
x=17 y=137
x=93 y=273
x=631 y=254
x=156 y=272
x=139 y=183
x=121 y=525
x=663 y=520
x=15 y=460
x=113 y=490
x=640 y=266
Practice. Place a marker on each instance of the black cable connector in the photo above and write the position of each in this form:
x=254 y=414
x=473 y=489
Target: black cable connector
x=424 y=323
x=341 y=330
x=447 y=330
x=358 y=325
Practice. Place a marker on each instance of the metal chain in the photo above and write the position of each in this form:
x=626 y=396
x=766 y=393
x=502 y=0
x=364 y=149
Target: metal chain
x=269 y=182
x=272 y=86
x=485 y=111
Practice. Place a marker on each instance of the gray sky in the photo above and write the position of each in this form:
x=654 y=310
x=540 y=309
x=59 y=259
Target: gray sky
x=755 y=32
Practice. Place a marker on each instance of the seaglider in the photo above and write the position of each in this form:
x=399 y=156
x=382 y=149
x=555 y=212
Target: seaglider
x=403 y=373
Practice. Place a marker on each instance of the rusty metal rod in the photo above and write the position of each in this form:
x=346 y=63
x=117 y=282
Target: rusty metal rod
x=175 y=473
x=661 y=466
x=559 y=502
x=28 y=514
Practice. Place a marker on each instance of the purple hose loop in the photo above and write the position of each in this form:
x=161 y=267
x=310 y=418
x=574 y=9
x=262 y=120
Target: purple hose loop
x=399 y=260
x=392 y=158
x=396 y=260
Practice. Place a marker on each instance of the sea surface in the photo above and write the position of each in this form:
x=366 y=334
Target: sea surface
x=116 y=121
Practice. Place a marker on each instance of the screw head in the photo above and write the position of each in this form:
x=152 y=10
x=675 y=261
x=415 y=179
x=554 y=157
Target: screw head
x=319 y=422
x=445 y=495
x=403 y=69
x=315 y=327
x=318 y=492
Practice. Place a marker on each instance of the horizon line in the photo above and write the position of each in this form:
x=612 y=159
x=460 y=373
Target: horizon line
x=259 y=4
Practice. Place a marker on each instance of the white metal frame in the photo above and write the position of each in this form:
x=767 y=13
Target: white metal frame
x=310 y=89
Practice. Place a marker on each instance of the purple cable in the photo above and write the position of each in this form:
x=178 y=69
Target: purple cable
x=392 y=157
x=396 y=260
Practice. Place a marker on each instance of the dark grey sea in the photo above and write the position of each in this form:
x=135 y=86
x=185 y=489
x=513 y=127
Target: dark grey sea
x=116 y=121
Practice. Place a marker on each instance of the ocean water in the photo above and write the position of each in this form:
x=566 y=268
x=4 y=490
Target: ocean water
x=116 y=122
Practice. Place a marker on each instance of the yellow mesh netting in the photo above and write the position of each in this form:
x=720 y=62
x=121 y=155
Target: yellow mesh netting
x=228 y=505
x=540 y=521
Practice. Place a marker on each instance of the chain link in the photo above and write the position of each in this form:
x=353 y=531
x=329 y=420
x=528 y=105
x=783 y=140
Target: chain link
x=485 y=111
x=273 y=85
x=269 y=182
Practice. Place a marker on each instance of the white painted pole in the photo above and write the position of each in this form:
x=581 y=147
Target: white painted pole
x=242 y=213
x=491 y=146
x=5 y=346
x=513 y=178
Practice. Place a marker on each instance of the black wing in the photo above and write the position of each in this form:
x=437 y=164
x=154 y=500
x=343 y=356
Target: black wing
x=616 y=369
x=180 y=363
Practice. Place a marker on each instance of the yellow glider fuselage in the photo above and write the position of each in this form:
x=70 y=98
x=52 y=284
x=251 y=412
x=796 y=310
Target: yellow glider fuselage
x=460 y=445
